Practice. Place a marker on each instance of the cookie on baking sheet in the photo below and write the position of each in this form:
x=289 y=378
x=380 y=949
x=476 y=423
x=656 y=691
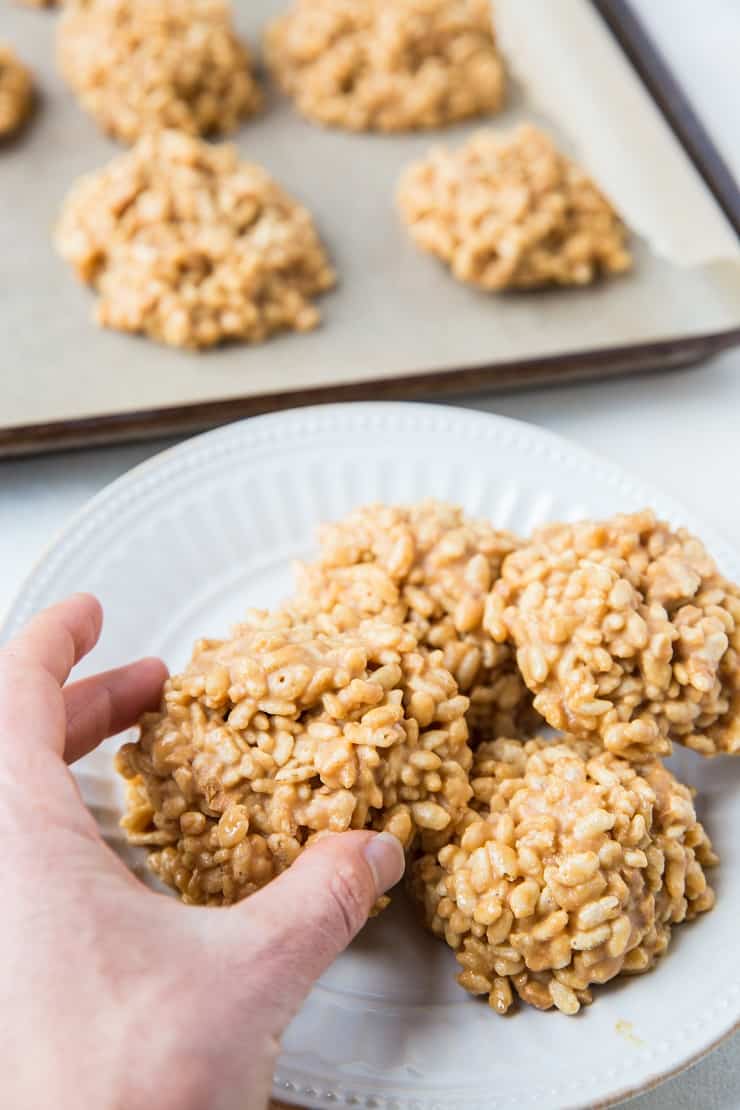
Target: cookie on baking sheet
x=509 y=211
x=136 y=65
x=16 y=91
x=367 y=65
x=187 y=244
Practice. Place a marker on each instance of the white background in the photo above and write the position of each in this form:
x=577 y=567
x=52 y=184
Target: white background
x=678 y=430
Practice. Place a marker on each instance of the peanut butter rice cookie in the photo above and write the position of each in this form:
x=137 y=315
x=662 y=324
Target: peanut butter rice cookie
x=367 y=65
x=16 y=91
x=187 y=244
x=430 y=566
x=626 y=632
x=572 y=868
x=137 y=65
x=508 y=211
x=281 y=734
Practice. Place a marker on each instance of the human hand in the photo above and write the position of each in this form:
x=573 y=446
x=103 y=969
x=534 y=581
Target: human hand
x=115 y=996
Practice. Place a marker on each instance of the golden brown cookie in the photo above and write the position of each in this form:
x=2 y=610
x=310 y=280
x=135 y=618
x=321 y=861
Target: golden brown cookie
x=187 y=244
x=572 y=867
x=367 y=65
x=16 y=91
x=508 y=211
x=281 y=734
x=625 y=631
x=431 y=566
x=137 y=66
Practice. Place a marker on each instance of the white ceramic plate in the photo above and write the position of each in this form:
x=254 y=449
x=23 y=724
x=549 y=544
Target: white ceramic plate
x=181 y=545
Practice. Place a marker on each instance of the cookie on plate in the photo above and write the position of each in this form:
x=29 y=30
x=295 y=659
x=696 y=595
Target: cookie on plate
x=431 y=566
x=281 y=734
x=571 y=867
x=625 y=631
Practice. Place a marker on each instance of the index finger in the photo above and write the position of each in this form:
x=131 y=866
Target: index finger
x=60 y=636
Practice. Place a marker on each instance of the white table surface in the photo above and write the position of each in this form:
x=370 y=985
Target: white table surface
x=678 y=430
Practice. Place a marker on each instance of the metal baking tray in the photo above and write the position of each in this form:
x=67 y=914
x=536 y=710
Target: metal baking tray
x=396 y=326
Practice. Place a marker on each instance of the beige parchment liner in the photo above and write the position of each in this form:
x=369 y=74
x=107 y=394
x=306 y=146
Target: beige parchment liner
x=395 y=312
x=616 y=131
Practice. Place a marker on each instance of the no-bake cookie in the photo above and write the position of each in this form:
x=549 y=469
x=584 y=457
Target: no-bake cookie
x=137 y=65
x=509 y=211
x=625 y=631
x=369 y=65
x=571 y=868
x=187 y=244
x=431 y=566
x=16 y=91
x=280 y=734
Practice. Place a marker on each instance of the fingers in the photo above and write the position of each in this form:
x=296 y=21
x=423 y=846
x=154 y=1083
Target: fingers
x=108 y=703
x=59 y=637
x=302 y=921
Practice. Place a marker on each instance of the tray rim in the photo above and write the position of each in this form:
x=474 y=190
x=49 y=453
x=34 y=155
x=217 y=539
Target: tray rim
x=142 y=424
x=665 y=89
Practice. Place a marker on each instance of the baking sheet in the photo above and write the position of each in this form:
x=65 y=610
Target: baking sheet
x=396 y=312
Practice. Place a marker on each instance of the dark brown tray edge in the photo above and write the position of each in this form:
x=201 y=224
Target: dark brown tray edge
x=185 y=419
x=656 y=75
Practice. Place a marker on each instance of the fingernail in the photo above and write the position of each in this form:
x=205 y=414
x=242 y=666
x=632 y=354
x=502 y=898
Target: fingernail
x=386 y=859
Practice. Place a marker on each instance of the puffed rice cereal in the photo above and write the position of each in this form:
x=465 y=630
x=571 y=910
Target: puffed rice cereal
x=429 y=565
x=16 y=91
x=191 y=246
x=372 y=65
x=573 y=870
x=508 y=211
x=137 y=66
x=625 y=631
x=281 y=734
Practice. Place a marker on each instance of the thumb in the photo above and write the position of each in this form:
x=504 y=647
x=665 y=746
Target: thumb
x=300 y=922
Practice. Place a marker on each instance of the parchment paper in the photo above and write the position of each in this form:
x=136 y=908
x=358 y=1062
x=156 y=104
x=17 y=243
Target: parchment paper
x=396 y=311
x=571 y=67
